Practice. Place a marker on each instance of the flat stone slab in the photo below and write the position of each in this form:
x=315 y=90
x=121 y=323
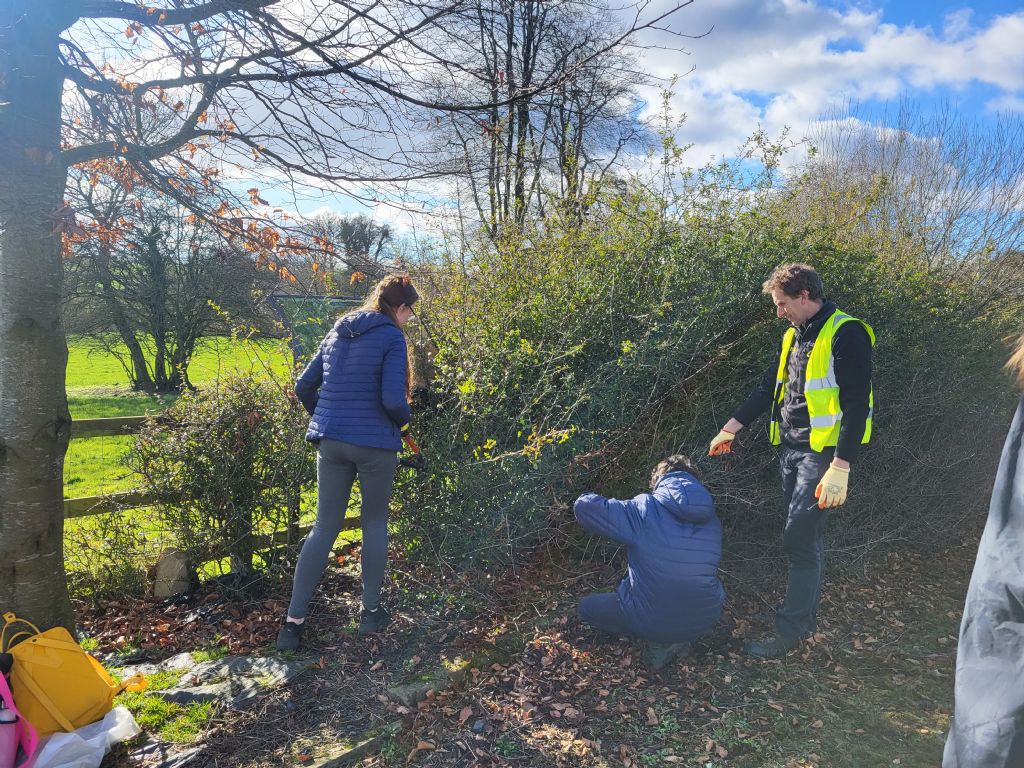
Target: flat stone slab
x=232 y=681
x=218 y=693
x=274 y=671
x=360 y=748
x=175 y=663
x=138 y=669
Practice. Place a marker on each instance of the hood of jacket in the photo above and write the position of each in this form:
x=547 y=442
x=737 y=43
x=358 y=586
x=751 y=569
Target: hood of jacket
x=684 y=497
x=358 y=323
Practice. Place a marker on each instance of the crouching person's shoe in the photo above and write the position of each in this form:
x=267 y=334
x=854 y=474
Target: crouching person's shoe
x=289 y=637
x=373 y=621
x=657 y=655
x=771 y=647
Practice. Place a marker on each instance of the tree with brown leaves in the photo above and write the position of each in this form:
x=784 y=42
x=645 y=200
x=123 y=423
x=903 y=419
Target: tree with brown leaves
x=176 y=96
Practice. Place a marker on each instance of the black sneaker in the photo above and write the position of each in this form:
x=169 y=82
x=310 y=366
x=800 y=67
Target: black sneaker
x=771 y=647
x=289 y=637
x=373 y=621
x=657 y=655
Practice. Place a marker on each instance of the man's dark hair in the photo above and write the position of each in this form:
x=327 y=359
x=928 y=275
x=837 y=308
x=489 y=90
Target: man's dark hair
x=791 y=279
x=677 y=463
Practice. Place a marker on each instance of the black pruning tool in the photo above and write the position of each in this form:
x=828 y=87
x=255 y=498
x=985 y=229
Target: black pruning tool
x=415 y=461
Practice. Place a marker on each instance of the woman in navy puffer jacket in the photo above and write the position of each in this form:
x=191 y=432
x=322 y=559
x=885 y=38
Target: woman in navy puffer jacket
x=671 y=593
x=356 y=391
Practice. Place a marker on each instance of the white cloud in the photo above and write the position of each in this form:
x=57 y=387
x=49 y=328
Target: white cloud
x=765 y=63
x=957 y=24
x=782 y=63
x=1007 y=103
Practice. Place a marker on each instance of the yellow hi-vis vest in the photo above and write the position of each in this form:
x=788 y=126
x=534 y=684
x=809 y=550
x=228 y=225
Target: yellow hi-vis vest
x=820 y=386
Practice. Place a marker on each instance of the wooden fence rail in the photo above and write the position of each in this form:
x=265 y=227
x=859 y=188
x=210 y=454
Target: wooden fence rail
x=118 y=425
x=85 y=506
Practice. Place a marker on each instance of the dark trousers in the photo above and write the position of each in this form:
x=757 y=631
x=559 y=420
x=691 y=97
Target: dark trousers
x=338 y=464
x=803 y=541
x=603 y=611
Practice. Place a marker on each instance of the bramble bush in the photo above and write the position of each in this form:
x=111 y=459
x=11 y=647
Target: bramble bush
x=575 y=354
x=228 y=465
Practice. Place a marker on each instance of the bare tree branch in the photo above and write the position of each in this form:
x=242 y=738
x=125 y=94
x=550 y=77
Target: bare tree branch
x=152 y=16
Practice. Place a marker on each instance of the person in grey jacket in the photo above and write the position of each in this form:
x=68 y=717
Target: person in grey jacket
x=988 y=718
x=356 y=390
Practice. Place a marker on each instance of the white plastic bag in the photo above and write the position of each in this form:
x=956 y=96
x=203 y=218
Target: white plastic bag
x=86 y=746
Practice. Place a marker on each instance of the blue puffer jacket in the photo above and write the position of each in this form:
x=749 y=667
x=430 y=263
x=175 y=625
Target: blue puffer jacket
x=354 y=388
x=674 y=543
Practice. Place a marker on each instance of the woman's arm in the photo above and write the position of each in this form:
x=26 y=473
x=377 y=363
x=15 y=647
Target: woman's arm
x=392 y=382
x=307 y=386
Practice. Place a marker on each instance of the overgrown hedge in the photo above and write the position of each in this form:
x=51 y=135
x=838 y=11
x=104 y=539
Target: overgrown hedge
x=576 y=355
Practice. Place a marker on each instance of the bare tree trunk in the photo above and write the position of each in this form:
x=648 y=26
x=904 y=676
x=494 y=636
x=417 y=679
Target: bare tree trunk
x=522 y=109
x=34 y=419
x=164 y=375
x=139 y=375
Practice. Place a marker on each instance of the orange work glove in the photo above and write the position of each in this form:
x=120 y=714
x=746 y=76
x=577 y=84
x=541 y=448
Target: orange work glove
x=722 y=443
x=831 y=491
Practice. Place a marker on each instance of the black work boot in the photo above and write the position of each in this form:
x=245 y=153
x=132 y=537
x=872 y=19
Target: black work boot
x=373 y=621
x=657 y=655
x=289 y=637
x=771 y=647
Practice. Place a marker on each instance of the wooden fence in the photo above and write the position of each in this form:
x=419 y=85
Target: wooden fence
x=85 y=506
x=99 y=505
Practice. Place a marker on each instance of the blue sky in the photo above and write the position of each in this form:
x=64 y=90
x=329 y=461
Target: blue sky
x=922 y=12
x=974 y=98
x=786 y=63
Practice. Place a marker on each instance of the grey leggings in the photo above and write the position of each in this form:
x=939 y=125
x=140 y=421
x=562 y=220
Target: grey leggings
x=338 y=465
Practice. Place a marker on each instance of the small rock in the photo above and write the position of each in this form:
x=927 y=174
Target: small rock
x=173 y=574
x=478 y=726
x=410 y=694
x=179 y=662
x=138 y=669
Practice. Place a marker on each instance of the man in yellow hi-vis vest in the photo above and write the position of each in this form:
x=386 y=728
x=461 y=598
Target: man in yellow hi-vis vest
x=820 y=400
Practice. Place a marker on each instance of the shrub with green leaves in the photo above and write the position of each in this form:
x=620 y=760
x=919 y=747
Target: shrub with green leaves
x=576 y=354
x=104 y=556
x=558 y=351
x=228 y=465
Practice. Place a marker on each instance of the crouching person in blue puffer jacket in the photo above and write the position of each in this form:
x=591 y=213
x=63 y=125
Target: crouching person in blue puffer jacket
x=671 y=593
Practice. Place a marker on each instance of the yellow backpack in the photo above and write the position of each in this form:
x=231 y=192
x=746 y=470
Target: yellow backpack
x=57 y=685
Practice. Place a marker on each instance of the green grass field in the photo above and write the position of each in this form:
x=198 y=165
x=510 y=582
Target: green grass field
x=98 y=388
x=90 y=367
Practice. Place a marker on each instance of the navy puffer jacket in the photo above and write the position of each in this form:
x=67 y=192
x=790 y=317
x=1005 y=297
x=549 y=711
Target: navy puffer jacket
x=354 y=388
x=674 y=543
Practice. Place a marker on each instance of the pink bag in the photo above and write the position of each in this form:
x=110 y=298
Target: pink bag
x=27 y=740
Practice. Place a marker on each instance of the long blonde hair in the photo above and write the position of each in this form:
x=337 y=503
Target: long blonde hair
x=374 y=303
x=1016 y=362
